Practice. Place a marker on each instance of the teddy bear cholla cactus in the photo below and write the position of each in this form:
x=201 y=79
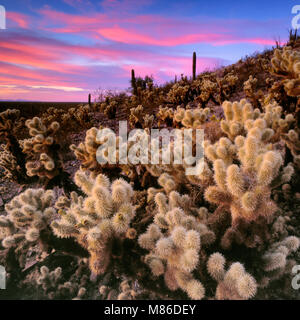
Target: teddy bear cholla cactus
x=7 y=120
x=233 y=284
x=250 y=89
x=174 y=241
x=293 y=143
x=8 y=163
x=138 y=119
x=246 y=187
x=96 y=220
x=41 y=149
x=240 y=117
x=192 y=118
x=275 y=262
x=136 y=116
x=208 y=89
x=245 y=173
x=86 y=151
x=128 y=292
x=166 y=182
x=168 y=156
x=165 y=115
x=28 y=214
x=13 y=159
x=286 y=64
x=178 y=93
x=226 y=86
x=54 y=288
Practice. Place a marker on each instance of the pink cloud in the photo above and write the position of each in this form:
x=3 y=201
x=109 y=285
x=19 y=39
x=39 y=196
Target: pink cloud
x=151 y=30
x=132 y=37
x=20 y=19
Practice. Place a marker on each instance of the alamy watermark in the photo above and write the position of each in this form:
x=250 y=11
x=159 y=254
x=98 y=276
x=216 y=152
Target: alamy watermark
x=296 y=19
x=2 y=278
x=2 y=17
x=152 y=147
x=296 y=278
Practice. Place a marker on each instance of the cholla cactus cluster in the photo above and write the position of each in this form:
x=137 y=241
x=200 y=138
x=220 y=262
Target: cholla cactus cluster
x=95 y=221
x=233 y=284
x=8 y=163
x=226 y=85
x=226 y=231
x=178 y=93
x=57 y=115
x=8 y=119
x=53 y=286
x=86 y=151
x=165 y=115
x=192 y=118
x=251 y=91
x=286 y=63
x=111 y=109
x=174 y=241
x=293 y=143
x=12 y=158
x=41 y=149
x=246 y=169
x=275 y=259
x=28 y=214
x=208 y=89
x=138 y=119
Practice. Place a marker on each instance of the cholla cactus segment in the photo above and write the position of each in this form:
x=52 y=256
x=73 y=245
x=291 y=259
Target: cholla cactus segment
x=216 y=266
x=174 y=241
x=233 y=284
x=27 y=215
x=94 y=221
x=41 y=149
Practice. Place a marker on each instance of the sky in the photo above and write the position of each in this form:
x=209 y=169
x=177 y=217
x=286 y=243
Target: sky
x=62 y=50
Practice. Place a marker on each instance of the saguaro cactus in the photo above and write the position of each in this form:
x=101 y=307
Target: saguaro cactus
x=90 y=99
x=133 y=82
x=194 y=65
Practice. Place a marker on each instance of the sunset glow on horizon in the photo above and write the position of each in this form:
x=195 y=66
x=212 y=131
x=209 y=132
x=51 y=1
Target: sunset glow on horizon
x=61 y=50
